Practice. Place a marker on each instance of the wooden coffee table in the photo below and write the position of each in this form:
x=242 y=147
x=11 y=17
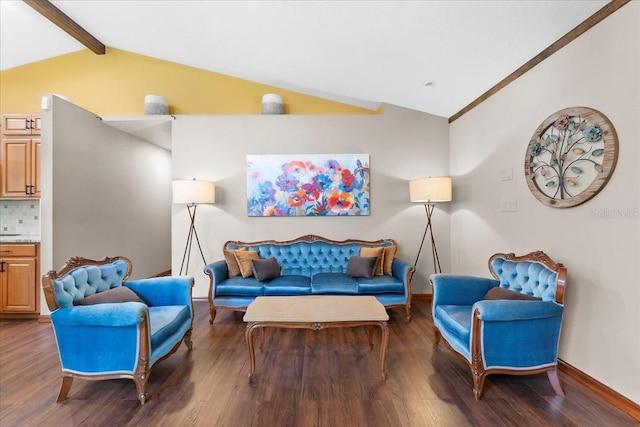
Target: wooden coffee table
x=316 y=312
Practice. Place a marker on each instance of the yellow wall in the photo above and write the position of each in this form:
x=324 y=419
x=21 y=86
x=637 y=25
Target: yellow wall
x=116 y=83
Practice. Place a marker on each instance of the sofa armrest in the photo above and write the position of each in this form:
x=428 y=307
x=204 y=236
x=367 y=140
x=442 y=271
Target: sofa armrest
x=510 y=310
x=217 y=272
x=109 y=314
x=167 y=290
x=459 y=290
x=400 y=269
x=85 y=336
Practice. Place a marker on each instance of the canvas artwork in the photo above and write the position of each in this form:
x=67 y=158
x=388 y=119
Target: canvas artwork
x=308 y=185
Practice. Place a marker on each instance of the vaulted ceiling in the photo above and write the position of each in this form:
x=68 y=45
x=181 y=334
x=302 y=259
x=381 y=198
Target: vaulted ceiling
x=358 y=52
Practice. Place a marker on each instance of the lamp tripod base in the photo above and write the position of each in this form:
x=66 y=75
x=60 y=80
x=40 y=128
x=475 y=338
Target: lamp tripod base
x=192 y=232
x=429 y=207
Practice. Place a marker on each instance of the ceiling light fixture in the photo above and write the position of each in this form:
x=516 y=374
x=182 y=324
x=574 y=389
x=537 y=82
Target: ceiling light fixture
x=429 y=83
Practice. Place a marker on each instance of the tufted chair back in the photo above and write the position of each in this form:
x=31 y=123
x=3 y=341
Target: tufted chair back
x=309 y=255
x=82 y=277
x=540 y=277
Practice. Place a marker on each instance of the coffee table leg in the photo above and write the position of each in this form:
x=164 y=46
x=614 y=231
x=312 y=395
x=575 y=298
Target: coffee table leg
x=261 y=339
x=252 y=354
x=370 y=335
x=383 y=348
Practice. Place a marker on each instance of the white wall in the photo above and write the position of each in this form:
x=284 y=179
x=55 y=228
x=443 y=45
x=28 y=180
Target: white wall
x=601 y=70
x=105 y=193
x=402 y=144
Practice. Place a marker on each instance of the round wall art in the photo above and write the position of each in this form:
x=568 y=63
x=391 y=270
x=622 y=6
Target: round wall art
x=570 y=157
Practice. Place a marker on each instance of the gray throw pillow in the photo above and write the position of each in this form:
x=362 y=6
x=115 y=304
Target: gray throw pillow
x=503 y=293
x=119 y=294
x=359 y=266
x=265 y=269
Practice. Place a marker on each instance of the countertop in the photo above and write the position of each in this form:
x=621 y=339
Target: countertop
x=20 y=238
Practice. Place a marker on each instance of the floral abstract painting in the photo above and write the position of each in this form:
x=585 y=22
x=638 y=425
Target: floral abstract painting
x=308 y=185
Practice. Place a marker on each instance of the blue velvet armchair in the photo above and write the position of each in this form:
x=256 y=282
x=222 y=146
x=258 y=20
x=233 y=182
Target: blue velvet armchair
x=107 y=327
x=506 y=325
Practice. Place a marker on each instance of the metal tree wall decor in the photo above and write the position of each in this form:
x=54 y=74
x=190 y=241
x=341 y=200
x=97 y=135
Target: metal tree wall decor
x=570 y=157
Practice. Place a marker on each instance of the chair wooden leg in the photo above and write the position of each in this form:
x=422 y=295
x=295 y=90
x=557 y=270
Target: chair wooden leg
x=187 y=339
x=478 y=385
x=141 y=388
x=479 y=375
x=212 y=314
x=407 y=313
x=436 y=333
x=555 y=382
x=142 y=393
x=67 y=380
x=140 y=378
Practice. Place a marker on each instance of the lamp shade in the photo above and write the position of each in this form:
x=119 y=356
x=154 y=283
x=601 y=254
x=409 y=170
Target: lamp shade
x=432 y=189
x=194 y=192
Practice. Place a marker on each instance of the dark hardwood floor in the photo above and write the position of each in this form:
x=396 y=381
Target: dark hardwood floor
x=303 y=378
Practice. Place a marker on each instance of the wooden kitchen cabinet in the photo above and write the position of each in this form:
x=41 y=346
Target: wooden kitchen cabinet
x=21 y=124
x=19 y=271
x=20 y=167
x=20 y=156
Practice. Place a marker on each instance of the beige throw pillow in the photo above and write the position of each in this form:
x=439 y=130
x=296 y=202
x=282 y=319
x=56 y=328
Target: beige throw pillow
x=232 y=263
x=374 y=252
x=244 y=259
x=389 y=254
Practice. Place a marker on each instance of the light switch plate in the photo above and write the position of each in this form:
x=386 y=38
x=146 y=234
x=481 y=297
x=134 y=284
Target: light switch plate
x=45 y=102
x=508 y=205
x=506 y=174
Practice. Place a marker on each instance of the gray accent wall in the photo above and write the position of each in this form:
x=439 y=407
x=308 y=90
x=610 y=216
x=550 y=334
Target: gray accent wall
x=598 y=241
x=105 y=193
x=402 y=144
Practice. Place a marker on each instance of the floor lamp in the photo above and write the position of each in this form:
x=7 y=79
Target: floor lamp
x=429 y=191
x=193 y=193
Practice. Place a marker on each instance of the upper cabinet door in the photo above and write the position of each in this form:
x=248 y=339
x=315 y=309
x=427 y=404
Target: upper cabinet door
x=20 y=156
x=21 y=124
x=16 y=162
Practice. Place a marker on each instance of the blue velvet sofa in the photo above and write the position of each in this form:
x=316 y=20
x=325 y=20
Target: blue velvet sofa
x=309 y=265
x=506 y=325
x=107 y=327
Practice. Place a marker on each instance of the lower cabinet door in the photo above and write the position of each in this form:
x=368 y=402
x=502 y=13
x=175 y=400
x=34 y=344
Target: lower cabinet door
x=18 y=290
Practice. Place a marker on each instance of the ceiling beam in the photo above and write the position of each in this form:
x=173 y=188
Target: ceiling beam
x=58 y=17
x=590 y=22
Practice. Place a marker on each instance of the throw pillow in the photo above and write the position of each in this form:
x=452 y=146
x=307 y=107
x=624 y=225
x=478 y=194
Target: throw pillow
x=232 y=264
x=361 y=266
x=119 y=294
x=265 y=269
x=374 y=252
x=244 y=259
x=503 y=293
x=388 y=255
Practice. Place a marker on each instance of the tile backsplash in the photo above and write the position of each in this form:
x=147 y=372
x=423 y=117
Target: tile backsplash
x=20 y=216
